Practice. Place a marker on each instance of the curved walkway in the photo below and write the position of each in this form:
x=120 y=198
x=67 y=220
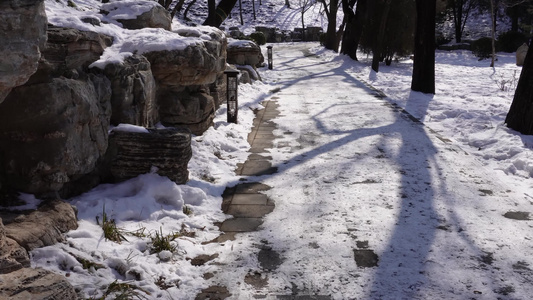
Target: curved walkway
x=369 y=203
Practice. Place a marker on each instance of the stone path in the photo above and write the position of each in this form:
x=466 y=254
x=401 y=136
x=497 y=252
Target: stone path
x=245 y=202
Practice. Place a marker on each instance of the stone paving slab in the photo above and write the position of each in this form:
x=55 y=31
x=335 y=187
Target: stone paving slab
x=251 y=188
x=241 y=224
x=266 y=136
x=255 y=156
x=266 y=128
x=258 y=172
x=249 y=211
x=260 y=149
x=249 y=199
x=258 y=142
x=245 y=202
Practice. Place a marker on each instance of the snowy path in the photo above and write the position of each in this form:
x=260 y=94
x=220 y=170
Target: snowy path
x=359 y=180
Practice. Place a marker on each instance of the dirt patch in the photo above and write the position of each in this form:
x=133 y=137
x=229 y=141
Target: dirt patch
x=256 y=280
x=365 y=258
x=269 y=259
x=518 y=215
x=521 y=267
x=487 y=259
x=506 y=290
x=486 y=192
x=214 y=293
x=201 y=260
x=362 y=244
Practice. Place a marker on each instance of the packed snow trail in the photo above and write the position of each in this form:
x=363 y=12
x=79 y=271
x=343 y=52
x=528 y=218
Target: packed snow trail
x=371 y=204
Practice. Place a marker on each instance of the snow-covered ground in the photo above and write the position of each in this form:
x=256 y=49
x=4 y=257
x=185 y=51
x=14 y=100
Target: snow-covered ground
x=469 y=107
x=356 y=175
x=350 y=190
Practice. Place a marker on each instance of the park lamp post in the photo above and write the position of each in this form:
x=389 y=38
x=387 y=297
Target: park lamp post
x=232 y=84
x=269 y=55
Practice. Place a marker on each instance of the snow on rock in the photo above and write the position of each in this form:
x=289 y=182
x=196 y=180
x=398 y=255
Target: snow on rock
x=129 y=128
x=127 y=9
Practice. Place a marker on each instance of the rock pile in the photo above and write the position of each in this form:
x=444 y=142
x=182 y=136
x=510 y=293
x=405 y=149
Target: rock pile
x=54 y=125
x=57 y=115
x=246 y=56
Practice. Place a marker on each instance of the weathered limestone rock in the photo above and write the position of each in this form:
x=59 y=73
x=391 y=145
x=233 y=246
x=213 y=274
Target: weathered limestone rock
x=521 y=54
x=44 y=226
x=51 y=139
x=31 y=283
x=68 y=52
x=194 y=65
x=182 y=76
x=168 y=150
x=12 y=256
x=244 y=76
x=248 y=73
x=218 y=91
x=155 y=15
x=191 y=107
x=236 y=33
x=22 y=33
x=245 y=53
x=133 y=92
x=60 y=134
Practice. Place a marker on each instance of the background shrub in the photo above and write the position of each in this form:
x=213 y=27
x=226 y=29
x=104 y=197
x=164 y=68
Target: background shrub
x=258 y=37
x=510 y=41
x=482 y=47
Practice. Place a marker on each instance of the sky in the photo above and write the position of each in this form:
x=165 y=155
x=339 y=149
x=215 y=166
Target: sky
x=355 y=174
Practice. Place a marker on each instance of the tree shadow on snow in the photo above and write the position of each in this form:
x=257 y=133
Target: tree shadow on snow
x=404 y=264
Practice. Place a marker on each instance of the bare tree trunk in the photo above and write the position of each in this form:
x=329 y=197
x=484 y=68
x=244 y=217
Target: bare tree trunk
x=287 y=4
x=253 y=7
x=165 y=3
x=493 y=33
x=177 y=8
x=378 y=44
x=187 y=10
x=211 y=14
x=460 y=16
x=339 y=34
x=303 y=25
x=520 y=115
x=349 y=19
x=423 y=79
x=354 y=27
x=457 y=8
x=222 y=11
x=513 y=14
x=240 y=12
x=331 y=32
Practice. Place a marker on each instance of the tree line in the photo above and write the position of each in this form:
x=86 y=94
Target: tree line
x=389 y=28
x=386 y=28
